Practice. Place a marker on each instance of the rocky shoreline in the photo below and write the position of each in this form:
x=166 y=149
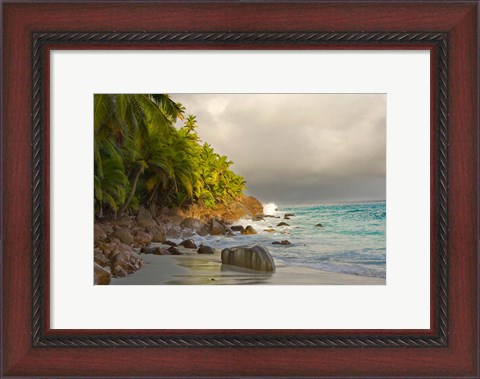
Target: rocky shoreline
x=117 y=240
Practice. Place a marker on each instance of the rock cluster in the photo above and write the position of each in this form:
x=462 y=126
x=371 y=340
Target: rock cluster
x=115 y=239
x=114 y=258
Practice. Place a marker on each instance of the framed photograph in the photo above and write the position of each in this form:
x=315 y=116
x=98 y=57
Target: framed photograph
x=240 y=189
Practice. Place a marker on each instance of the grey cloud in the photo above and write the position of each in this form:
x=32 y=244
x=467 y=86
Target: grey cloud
x=298 y=147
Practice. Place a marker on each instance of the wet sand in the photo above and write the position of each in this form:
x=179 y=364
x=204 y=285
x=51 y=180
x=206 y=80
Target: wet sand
x=193 y=268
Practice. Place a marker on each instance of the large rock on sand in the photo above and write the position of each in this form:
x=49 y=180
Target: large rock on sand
x=254 y=257
x=196 y=225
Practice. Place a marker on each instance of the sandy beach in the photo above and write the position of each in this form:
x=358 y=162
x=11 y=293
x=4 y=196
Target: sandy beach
x=193 y=268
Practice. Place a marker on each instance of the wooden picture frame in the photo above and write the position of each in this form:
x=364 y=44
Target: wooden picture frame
x=447 y=29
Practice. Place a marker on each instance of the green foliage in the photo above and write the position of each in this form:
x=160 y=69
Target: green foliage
x=141 y=158
x=110 y=181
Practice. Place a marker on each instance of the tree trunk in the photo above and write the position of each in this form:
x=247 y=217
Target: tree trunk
x=154 y=192
x=132 y=192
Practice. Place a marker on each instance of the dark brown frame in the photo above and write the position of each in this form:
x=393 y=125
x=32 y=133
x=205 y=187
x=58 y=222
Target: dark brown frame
x=448 y=348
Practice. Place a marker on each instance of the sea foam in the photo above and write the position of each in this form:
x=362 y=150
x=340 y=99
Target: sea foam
x=270 y=209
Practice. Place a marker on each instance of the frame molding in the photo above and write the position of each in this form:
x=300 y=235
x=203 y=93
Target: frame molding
x=40 y=40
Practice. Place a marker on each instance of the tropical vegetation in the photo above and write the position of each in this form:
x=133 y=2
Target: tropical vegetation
x=142 y=157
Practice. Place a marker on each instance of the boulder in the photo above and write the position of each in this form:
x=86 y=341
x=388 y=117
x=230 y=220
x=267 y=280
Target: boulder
x=218 y=228
x=249 y=230
x=154 y=251
x=99 y=234
x=271 y=216
x=125 y=236
x=157 y=235
x=123 y=248
x=136 y=229
x=255 y=257
x=282 y=224
x=195 y=225
x=107 y=248
x=189 y=244
x=107 y=228
x=175 y=220
x=120 y=247
x=289 y=214
x=119 y=272
x=187 y=233
x=237 y=228
x=173 y=230
x=160 y=251
x=257 y=218
x=174 y=251
x=319 y=225
x=284 y=242
x=147 y=250
x=142 y=238
x=286 y=218
x=129 y=262
x=269 y=230
x=100 y=275
x=169 y=243
x=145 y=218
x=99 y=257
x=205 y=250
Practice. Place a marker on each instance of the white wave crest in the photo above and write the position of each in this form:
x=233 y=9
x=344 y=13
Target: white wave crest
x=270 y=209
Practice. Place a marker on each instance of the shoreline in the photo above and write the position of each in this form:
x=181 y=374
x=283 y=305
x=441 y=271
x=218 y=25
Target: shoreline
x=117 y=239
x=191 y=268
x=160 y=247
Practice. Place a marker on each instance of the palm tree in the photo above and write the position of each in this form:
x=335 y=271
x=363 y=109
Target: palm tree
x=116 y=115
x=141 y=158
x=143 y=154
x=118 y=118
x=190 y=124
x=109 y=179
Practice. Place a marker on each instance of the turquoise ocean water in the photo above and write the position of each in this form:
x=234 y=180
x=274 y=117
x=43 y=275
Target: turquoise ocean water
x=352 y=239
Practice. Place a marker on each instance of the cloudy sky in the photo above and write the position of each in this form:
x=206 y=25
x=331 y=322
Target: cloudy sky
x=298 y=148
